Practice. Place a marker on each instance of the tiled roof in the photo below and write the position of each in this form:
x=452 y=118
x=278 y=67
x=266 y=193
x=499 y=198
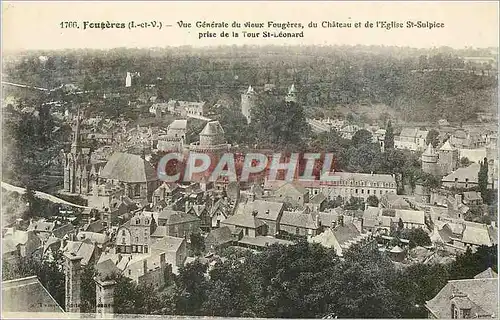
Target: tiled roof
x=130 y=168
x=27 y=295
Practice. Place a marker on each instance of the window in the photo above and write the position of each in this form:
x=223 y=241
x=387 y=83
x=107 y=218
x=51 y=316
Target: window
x=362 y=190
x=356 y=190
x=145 y=249
x=123 y=240
x=137 y=239
x=246 y=231
x=123 y=233
x=137 y=190
x=368 y=191
x=466 y=313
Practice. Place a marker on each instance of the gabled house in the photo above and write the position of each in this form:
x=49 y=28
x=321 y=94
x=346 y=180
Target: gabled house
x=467 y=298
x=301 y=223
x=268 y=211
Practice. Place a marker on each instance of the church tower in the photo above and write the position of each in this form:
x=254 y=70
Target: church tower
x=77 y=164
x=248 y=100
x=292 y=94
x=128 y=80
x=429 y=160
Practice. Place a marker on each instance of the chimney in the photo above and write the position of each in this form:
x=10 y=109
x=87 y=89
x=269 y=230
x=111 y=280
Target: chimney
x=104 y=296
x=162 y=260
x=72 y=271
x=334 y=224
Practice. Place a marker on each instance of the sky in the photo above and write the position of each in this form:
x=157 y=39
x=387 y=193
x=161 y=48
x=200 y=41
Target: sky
x=37 y=25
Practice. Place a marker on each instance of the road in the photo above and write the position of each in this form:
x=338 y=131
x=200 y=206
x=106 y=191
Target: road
x=41 y=195
x=24 y=86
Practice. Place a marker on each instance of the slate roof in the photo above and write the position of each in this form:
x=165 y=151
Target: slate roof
x=220 y=236
x=318 y=199
x=476 y=236
x=461 y=174
x=479 y=294
x=82 y=249
x=63 y=230
x=486 y=274
x=130 y=168
x=409 y=132
x=472 y=195
x=27 y=295
x=178 y=124
x=167 y=244
x=92 y=236
x=446 y=146
x=244 y=220
x=96 y=226
x=429 y=151
x=176 y=217
x=267 y=210
x=299 y=219
x=212 y=128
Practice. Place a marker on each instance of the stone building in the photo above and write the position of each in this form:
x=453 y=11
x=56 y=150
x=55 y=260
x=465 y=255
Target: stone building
x=79 y=172
x=131 y=172
x=448 y=159
x=134 y=235
x=248 y=100
x=430 y=161
x=348 y=184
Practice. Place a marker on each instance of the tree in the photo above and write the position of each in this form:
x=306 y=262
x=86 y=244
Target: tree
x=372 y=201
x=191 y=289
x=482 y=180
x=464 y=162
x=432 y=137
x=389 y=137
x=417 y=237
x=362 y=136
x=197 y=244
x=355 y=203
x=279 y=124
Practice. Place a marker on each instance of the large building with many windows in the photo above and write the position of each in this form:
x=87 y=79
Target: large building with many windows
x=347 y=185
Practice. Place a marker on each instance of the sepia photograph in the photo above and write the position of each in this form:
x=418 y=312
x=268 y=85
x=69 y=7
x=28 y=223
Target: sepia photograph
x=249 y=159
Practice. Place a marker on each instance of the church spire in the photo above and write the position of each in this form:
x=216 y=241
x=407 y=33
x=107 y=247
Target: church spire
x=76 y=138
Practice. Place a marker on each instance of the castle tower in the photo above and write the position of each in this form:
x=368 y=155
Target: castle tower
x=429 y=160
x=448 y=158
x=105 y=290
x=248 y=100
x=128 y=80
x=292 y=94
x=72 y=273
